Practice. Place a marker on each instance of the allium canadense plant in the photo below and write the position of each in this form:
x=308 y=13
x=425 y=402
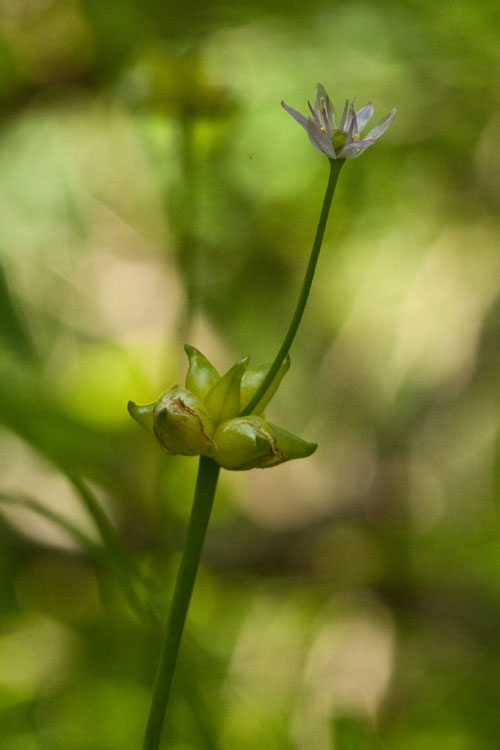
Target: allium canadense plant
x=221 y=419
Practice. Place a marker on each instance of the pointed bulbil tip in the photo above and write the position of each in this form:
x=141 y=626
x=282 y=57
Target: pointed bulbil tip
x=243 y=362
x=311 y=448
x=143 y=415
x=237 y=370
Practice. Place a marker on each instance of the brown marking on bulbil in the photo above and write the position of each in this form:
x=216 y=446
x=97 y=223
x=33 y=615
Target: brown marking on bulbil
x=188 y=410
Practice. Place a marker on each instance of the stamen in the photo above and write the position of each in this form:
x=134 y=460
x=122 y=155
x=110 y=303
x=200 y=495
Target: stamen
x=322 y=107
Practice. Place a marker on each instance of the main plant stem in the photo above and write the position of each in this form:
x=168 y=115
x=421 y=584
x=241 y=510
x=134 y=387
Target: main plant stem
x=206 y=483
x=335 y=167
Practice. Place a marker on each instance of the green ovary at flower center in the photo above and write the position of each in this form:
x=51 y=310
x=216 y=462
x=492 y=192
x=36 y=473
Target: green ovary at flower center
x=338 y=139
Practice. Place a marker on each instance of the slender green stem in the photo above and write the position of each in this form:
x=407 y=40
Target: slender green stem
x=335 y=167
x=206 y=483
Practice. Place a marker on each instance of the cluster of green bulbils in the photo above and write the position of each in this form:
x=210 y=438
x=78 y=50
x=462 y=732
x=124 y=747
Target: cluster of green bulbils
x=203 y=419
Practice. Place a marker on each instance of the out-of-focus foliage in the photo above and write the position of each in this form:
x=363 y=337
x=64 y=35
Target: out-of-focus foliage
x=152 y=193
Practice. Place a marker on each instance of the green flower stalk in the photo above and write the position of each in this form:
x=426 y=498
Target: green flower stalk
x=221 y=418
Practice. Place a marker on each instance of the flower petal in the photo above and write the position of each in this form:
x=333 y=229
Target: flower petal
x=319 y=140
x=332 y=119
x=351 y=127
x=296 y=115
x=355 y=148
x=350 y=122
x=364 y=114
x=320 y=94
x=314 y=113
x=344 y=116
x=381 y=126
x=326 y=110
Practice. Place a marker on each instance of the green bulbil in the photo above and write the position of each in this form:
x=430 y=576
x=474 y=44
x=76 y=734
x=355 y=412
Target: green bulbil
x=181 y=423
x=291 y=446
x=204 y=417
x=223 y=399
x=252 y=379
x=243 y=443
x=202 y=375
x=143 y=415
x=253 y=443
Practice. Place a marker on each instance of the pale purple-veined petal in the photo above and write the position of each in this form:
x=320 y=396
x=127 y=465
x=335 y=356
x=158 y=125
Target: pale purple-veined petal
x=296 y=115
x=380 y=128
x=323 y=107
x=354 y=149
x=320 y=94
x=344 y=115
x=364 y=114
x=352 y=129
x=314 y=114
x=349 y=120
x=332 y=120
x=319 y=140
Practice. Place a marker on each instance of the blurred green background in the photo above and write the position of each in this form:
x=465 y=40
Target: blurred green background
x=153 y=192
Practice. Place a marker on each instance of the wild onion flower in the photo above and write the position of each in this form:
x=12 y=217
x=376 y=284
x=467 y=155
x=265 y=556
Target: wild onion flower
x=339 y=141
